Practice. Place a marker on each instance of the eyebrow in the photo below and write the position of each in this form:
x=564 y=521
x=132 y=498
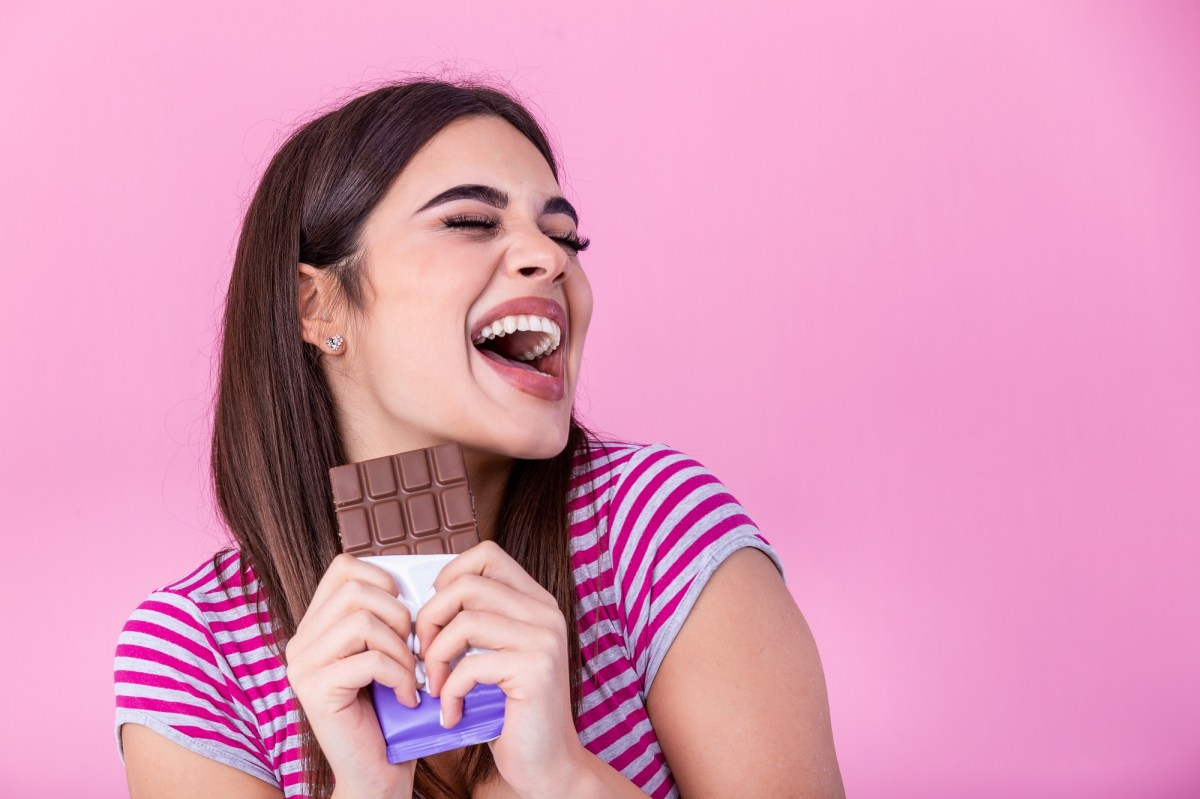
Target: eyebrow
x=497 y=199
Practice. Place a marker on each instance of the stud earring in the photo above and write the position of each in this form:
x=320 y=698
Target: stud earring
x=334 y=342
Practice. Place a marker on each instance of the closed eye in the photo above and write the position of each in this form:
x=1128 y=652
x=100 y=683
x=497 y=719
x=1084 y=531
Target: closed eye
x=470 y=221
x=572 y=242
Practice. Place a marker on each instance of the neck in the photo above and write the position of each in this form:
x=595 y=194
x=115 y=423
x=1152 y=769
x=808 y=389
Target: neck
x=488 y=474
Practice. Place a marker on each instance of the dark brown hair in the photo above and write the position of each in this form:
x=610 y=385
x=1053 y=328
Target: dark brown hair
x=275 y=435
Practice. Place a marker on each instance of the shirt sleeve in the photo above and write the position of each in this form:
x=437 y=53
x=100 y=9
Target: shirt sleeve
x=671 y=524
x=170 y=676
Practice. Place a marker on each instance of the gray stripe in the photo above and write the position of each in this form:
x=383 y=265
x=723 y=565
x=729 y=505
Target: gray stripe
x=201 y=747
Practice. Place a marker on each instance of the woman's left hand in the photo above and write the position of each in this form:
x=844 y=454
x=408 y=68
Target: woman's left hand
x=485 y=599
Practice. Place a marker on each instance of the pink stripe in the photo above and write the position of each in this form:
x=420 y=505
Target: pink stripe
x=183 y=667
x=648 y=771
x=183 y=617
x=271 y=713
x=665 y=787
x=622 y=728
x=276 y=738
x=293 y=752
x=170 y=636
x=158 y=705
x=584 y=556
x=604 y=642
x=610 y=703
x=256 y=667
x=234 y=604
x=207 y=734
x=244 y=628
x=279 y=685
x=217 y=700
x=198 y=576
x=633 y=751
x=600 y=614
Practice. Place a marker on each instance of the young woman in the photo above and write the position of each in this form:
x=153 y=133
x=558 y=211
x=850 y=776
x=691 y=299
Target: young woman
x=408 y=274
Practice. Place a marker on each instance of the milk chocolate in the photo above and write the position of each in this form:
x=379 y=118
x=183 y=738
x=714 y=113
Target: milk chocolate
x=412 y=503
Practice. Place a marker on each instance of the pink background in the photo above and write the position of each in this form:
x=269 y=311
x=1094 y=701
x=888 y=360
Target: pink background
x=920 y=281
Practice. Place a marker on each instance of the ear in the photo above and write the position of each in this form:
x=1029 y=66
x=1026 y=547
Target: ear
x=316 y=301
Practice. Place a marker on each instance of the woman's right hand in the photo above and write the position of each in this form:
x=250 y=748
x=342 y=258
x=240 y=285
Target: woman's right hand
x=354 y=631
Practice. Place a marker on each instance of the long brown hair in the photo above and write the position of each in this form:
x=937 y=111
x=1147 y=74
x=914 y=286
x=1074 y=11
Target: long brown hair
x=275 y=434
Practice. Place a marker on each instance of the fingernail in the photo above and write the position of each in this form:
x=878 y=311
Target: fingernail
x=417 y=698
x=441 y=718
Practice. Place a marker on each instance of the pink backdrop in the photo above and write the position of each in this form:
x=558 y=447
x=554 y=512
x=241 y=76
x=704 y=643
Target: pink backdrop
x=920 y=281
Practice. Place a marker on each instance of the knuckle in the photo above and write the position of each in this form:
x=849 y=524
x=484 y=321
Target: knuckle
x=547 y=642
x=360 y=622
x=553 y=619
x=544 y=664
x=355 y=590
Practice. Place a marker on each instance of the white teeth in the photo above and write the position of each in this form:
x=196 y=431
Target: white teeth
x=552 y=335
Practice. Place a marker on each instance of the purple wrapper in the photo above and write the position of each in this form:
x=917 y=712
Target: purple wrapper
x=413 y=732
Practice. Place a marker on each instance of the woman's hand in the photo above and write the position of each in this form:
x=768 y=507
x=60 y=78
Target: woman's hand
x=485 y=599
x=354 y=631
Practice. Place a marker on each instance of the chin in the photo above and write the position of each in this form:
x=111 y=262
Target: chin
x=538 y=444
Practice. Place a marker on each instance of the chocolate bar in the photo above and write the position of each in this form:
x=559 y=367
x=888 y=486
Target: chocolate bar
x=412 y=503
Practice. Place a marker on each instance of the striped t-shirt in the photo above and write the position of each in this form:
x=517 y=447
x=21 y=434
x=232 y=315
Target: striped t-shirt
x=648 y=527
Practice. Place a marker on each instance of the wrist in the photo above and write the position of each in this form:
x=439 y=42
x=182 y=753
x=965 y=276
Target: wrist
x=586 y=776
x=401 y=789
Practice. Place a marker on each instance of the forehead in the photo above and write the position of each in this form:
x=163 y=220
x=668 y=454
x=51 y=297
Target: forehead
x=476 y=150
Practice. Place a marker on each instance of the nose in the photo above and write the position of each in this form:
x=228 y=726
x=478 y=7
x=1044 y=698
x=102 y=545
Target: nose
x=535 y=255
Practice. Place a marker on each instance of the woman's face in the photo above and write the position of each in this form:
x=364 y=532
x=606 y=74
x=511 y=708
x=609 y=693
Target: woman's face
x=475 y=304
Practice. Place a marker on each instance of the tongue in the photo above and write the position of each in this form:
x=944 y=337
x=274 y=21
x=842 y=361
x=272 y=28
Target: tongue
x=495 y=356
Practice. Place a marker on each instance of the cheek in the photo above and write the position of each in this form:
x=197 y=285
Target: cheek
x=581 y=308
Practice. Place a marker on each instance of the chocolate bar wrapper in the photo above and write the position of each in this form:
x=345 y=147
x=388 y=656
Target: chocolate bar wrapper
x=410 y=514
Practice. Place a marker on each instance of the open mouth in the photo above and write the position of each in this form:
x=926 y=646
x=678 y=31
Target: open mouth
x=528 y=342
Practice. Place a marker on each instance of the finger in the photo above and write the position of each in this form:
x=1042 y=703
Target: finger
x=344 y=568
x=360 y=631
x=493 y=668
x=341 y=680
x=487 y=631
x=476 y=592
x=488 y=559
x=351 y=596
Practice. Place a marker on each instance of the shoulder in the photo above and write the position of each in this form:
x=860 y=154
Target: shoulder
x=665 y=505
x=180 y=631
x=215 y=590
x=668 y=524
x=179 y=661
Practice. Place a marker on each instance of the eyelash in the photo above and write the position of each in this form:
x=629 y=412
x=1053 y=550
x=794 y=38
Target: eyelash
x=569 y=240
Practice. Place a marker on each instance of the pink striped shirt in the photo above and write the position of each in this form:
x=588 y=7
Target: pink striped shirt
x=648 y=525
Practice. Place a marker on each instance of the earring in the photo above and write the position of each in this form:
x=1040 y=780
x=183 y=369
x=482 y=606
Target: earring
x=334 y=342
